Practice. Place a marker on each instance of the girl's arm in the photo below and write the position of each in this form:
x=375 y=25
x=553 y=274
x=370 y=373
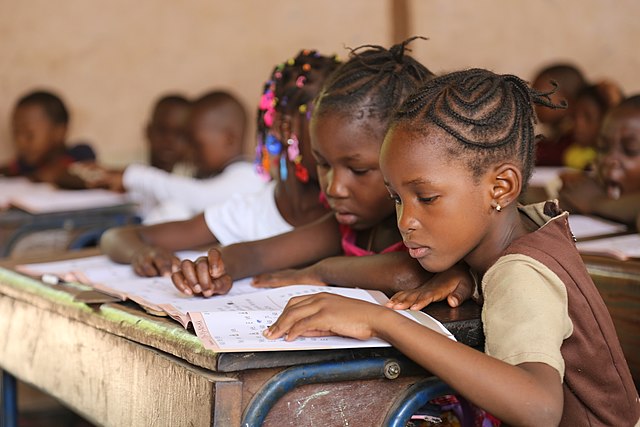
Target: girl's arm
x=394 y=273
x=526 y=394
x=299 y=247
x=390 y=273
x=150 y=249
x=584 y=195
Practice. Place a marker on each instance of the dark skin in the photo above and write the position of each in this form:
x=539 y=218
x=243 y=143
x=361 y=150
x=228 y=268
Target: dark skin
x=40 y=143
x=151 y=249
x=445 y=215
x=166 y=136
x=217 y=138
x=614 y=193
x=346 y=151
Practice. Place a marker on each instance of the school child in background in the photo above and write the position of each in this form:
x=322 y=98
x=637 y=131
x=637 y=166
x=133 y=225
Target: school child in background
x=166 y=132
x=556 y=126
x=349 y=120
x=591 y=104
x=290 y=200
x=216 y=127
x=39 y=125
x=455 y=159
x=613 y=191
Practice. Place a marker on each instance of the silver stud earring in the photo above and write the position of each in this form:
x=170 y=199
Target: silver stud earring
x=498 y=207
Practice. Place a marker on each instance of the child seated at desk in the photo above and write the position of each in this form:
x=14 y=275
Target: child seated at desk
x=216 y=126
x=39 y=124
x=557 y=125
x=455 y=159
x=290 y=200
x=591 y=104
x=613 y=191
x=168 y=146
x=348 y=124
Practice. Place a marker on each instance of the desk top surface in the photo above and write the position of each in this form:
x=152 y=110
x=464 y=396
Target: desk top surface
x=130 y=321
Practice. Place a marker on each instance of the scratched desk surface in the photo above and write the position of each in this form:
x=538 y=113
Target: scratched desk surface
x=147 y=366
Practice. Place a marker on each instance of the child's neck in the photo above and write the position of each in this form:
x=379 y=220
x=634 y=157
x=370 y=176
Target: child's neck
x=299 y=203
x=380 y=236
x=510 y=225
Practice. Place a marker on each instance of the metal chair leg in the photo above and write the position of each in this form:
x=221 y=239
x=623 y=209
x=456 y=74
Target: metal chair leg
x=9 y=416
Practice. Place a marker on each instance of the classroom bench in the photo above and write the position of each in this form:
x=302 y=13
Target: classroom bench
x=114 y=364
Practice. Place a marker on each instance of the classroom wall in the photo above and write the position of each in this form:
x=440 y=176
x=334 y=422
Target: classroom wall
x=110 y=60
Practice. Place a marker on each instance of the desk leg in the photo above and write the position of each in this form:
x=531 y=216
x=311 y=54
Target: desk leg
x=9 y=416
x=262 y=402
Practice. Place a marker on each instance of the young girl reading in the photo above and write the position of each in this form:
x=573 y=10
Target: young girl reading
x=288 y=201
x=350 y=118
x=455 y=160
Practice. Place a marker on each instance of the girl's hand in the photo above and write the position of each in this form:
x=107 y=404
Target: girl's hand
x=289 y=277
x=455 y=285
x=154 y=261
x=327 y=314
x=205 y=276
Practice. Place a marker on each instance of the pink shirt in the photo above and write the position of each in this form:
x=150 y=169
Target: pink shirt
x=350 y=248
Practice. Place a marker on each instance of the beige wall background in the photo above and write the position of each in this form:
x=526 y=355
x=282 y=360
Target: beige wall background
x=111 y=60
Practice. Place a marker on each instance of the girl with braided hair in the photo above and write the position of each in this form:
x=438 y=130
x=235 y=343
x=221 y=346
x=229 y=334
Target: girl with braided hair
x=455 y=159
x=350 y=118
x=290 y=200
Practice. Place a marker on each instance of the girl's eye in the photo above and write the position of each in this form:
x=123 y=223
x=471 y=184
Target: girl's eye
x=359 y=171
x=427 y=200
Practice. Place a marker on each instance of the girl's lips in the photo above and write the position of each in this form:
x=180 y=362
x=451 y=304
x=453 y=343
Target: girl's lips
x=419 y=252
x=346 y=218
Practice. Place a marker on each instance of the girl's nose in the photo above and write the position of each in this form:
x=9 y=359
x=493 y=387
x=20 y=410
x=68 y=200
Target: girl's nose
x=336 y=187
x=406 y=220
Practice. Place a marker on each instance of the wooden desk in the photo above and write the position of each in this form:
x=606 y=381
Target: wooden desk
x=619 y=284
x=116 y=365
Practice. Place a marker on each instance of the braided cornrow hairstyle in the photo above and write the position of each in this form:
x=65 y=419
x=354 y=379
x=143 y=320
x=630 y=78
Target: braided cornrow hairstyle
x=490 y=116
x=373 y=83
x=290 y=89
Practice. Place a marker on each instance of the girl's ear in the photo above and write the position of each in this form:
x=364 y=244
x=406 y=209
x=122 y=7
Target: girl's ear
x=507 y=184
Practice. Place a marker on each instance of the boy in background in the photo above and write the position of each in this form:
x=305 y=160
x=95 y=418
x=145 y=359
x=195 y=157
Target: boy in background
x=216 y=129
x=556 y=125
x=39 y=125
x=169 y=148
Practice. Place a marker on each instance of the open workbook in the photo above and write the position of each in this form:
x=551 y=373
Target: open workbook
x=229 y=323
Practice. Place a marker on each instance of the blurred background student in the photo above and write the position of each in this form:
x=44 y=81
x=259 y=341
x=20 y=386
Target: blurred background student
x=556 y=125
x=613 y=190
x=39 y=125
x=168 y=145
x=216 y=128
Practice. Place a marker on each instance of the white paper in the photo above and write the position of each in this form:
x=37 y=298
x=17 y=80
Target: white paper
x=583 y=226
x=237 y=324
x=54 y=200
x=622 y=247
x=17 y=186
